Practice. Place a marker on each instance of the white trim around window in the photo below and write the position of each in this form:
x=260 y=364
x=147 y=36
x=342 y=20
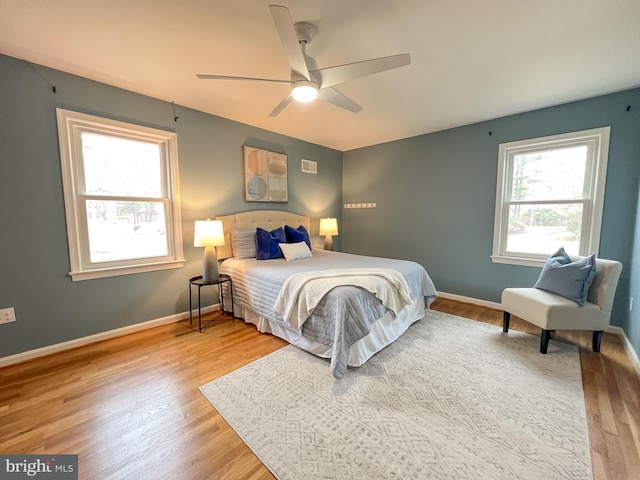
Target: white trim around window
x=586 y=200
x=116 y=224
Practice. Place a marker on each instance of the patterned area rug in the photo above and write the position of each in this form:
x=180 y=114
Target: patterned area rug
x=450 y=399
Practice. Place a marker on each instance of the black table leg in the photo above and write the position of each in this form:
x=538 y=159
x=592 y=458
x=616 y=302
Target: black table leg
x=199 y=312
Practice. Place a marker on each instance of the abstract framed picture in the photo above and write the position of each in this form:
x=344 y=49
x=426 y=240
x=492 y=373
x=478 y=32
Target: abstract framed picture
x=265 y=175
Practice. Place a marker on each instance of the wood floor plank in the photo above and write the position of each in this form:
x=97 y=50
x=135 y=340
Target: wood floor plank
x=597 y=439
x=130 y=406
x=606 y=397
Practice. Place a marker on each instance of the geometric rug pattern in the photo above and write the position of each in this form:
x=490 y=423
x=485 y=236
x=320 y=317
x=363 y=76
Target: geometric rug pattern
x=450 y=399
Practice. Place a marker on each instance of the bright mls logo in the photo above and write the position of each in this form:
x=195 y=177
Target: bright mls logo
x=50 y=467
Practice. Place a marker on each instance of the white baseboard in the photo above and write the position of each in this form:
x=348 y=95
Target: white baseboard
x=627 y=344
x=118 y=332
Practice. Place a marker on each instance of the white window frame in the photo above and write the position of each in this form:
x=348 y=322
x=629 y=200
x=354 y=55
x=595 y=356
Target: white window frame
x=597 y=142
x=70 y=127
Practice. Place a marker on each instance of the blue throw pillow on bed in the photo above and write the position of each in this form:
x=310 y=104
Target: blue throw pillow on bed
x=297 y=235
x=268 y=243
x=566 y=278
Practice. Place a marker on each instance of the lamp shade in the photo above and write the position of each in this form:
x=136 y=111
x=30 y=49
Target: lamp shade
x=208 y=233
x=328 y=226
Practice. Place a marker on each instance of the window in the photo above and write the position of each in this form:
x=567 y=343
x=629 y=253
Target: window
x=121 y=196
x=550 y=193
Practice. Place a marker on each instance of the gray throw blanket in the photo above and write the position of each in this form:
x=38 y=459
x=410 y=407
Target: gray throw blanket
x=302 y=292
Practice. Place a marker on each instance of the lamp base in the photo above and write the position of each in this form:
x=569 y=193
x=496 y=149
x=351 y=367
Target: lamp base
x=210 y=265
x=328 y=242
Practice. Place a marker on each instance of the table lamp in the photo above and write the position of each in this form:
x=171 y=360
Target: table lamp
x=328 y=227
x=209 y=234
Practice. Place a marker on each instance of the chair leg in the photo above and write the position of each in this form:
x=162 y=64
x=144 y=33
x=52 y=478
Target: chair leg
x=544 y=340
x=506 y=316
x=597 y=339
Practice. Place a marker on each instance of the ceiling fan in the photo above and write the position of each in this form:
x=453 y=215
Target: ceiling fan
x=307 y=81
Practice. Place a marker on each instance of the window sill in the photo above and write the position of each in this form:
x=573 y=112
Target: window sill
x=527 y=262
x=128 y=270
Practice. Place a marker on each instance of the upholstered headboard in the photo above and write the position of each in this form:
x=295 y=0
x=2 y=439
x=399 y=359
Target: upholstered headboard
x=267 y=219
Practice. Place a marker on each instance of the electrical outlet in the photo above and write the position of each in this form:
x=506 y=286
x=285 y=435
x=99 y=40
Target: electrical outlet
x=7 y=315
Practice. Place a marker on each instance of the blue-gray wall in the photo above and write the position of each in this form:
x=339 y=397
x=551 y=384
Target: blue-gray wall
x=34 y=257
x=435 y=197
x=632 y=327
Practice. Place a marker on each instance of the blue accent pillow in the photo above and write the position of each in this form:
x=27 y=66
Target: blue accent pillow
x=297 y=235
x=568 y=279
x=561 y=256
x=268 y=243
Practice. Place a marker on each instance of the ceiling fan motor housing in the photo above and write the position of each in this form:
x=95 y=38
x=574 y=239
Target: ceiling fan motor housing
x=305 y=32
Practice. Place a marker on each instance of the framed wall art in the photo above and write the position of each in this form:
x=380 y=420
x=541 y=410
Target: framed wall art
x=265 y=175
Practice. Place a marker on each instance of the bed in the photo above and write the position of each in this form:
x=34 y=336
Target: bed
x=334 y=317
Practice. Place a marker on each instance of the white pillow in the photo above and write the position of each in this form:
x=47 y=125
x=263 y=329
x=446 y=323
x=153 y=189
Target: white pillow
x=295 y=251
x=244 y=243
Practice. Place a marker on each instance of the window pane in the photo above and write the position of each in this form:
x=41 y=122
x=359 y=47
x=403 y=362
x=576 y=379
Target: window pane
x=542 y=229
x=549 y=174
x=126 y=230
x=121 y=166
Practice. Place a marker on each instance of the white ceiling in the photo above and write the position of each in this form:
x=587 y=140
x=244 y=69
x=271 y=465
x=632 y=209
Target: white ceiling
x=472 y=60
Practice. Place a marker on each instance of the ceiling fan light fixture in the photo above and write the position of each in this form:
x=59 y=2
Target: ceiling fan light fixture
x=304 y=91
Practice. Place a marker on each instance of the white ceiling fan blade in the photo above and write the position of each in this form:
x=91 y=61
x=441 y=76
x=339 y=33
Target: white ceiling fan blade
x=285 y=101
x=204 y=76
x=334 y=75
x=331 y=95
x=289 y=39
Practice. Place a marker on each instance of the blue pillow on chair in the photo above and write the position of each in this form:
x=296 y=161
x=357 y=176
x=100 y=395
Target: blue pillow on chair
x=297 y=235
x=268 y=243
x=561 y=256
x=568 y=279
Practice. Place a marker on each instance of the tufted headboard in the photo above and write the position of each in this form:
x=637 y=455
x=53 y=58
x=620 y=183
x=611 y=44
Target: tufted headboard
x=267 y=219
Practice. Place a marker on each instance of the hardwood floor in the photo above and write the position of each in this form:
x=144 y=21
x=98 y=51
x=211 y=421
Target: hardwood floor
x=131 y=409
